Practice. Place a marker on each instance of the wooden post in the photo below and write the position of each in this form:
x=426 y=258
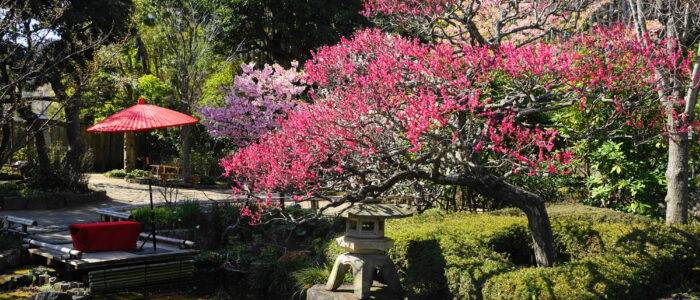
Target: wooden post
x=129 y=151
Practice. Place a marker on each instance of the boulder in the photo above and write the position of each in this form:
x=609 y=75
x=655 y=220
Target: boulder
x=12 y=257
x=61 y=286
x=53 y=296
x=346 y=292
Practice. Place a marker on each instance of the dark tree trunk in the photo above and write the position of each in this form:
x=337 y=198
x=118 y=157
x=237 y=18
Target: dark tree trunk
x=35 y=125
x=6 y=140
x=72 y=110
x=186 y=152
x=142 y=53
x=533 y=206
x=75 y=141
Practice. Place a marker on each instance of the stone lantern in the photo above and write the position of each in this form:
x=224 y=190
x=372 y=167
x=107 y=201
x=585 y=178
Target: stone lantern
x=366 y=244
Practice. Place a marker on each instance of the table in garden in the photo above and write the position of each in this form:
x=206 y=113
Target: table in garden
x=163 y=171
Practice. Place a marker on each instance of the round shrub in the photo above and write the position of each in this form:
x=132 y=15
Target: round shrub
x=116 y=173
x=137 y=174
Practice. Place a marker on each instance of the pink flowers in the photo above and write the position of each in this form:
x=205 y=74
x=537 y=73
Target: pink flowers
x=259 y=100
x=384 y=103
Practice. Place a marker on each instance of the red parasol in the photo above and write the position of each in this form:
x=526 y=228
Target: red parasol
x=142 y=117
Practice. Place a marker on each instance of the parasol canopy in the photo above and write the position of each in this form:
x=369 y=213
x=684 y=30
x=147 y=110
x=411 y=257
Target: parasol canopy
x=140 y=117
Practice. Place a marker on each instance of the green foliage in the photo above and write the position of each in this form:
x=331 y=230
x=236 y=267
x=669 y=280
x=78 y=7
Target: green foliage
x=207 y=259
x=188 y=214
x=637 y=261
x=207 y=180
x=9 y=242
x=153 y=89
x=13 y=189
x=10 y=189
x=137 y=174
x=626 y=177
x=164 y=216
x=276 y=275
x=308 y=277
x=603 y=254
x=298 y=27
x=116 y=173
x=580 y=213
x=434 y=251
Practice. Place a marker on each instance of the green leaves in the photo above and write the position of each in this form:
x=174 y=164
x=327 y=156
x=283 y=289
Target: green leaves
x=624 y=176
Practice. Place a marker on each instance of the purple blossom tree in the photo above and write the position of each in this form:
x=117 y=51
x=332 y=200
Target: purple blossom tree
x=257 y=102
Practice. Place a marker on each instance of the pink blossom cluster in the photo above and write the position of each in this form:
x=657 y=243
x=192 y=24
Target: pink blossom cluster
x=256 y=104
x=383 y=102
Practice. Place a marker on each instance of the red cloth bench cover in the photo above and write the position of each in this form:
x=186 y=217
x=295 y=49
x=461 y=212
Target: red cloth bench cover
x=105 y=236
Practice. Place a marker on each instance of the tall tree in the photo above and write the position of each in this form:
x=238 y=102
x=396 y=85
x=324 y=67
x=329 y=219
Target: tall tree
x=389 y=110
x=188 y=32
x=44 y=40
x=280 y=31
x=678 y=22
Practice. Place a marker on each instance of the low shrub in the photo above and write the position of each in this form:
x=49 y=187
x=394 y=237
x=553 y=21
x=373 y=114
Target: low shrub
x=136 y=174
x=9 y=242
x=207 y=180
x=631 y=262
x=10 y=189
x=116 y=173
x=187 y=214
x=164 y=216
x=603 y=254
x=308 y=277
x=13 y=189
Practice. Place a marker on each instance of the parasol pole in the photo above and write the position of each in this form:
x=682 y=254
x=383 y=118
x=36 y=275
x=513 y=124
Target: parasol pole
x=150 y=195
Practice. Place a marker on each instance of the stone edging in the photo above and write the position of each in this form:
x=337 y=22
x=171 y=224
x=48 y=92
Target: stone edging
x=50 y=201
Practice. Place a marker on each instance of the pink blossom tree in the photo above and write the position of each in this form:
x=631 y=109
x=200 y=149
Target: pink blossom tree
x=389 y=110
x=493 y=22
x=255 y=105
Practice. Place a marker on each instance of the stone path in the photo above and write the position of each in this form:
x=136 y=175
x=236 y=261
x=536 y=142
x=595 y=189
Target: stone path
x=119 y=193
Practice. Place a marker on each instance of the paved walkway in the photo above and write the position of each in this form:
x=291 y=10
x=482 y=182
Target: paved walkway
x=119 y=192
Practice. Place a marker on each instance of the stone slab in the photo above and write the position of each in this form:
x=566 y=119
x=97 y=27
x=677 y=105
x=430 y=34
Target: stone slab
x=345 y=292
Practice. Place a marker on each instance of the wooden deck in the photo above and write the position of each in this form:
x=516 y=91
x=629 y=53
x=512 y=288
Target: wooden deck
x=113 y=271
x=102 y=259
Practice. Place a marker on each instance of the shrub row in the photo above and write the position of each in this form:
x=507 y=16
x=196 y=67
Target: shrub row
x=603 y=254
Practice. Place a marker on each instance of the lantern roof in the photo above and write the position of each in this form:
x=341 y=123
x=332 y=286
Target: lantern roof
x=368 y=210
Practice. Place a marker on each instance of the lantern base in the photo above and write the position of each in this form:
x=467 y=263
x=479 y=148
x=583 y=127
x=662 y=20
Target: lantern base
x=364 y=267
x=345 y=292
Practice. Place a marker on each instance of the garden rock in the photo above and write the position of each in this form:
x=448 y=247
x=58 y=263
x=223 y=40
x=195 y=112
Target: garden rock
x=53 y=296
x=61 y=286
x=82 y=297
x=78 y=292
x=11 y=258
x=76 y=285
x=43 y=279
x=346 y=292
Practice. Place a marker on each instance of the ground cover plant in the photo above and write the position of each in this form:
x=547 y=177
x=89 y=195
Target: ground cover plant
x=603 y=254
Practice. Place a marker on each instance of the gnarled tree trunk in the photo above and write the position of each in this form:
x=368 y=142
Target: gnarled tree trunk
x=533 y=207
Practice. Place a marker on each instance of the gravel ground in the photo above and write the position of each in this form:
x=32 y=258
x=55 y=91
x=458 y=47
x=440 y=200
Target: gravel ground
x=119 y=192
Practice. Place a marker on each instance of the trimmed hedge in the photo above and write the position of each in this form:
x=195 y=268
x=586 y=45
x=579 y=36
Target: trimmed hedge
x=603 y=254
